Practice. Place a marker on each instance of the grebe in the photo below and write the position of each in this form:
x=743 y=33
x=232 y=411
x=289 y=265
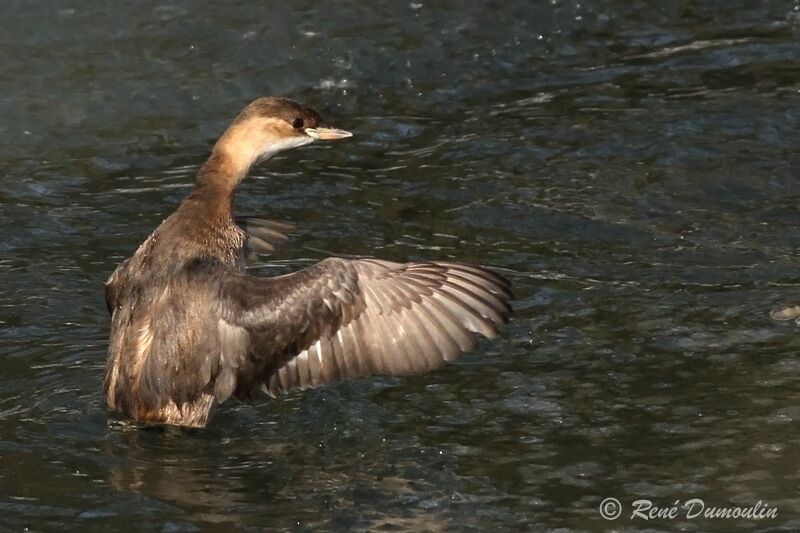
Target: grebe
x=189 y=328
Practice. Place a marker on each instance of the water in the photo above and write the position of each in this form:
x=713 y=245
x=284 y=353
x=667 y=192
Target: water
x=632 y=169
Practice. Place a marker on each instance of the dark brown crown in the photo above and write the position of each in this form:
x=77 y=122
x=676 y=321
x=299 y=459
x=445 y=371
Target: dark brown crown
x=281 y=108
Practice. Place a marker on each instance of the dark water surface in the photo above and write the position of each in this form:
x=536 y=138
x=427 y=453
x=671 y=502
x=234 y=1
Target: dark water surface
x=632 y=169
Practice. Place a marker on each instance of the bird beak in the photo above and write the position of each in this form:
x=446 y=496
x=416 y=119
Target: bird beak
x=325 y=133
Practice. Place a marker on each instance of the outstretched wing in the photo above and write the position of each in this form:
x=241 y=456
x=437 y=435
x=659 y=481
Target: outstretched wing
x=263 y=235
x=342 y=319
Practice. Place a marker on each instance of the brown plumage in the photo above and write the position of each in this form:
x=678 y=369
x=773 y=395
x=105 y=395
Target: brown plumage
x=190 y=328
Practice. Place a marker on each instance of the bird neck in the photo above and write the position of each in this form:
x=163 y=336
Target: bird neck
x=218 y=179
x=235 y=152
x=221 y=171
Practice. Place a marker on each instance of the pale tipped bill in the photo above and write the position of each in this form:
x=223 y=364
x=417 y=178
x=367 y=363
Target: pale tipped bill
x=326 y=133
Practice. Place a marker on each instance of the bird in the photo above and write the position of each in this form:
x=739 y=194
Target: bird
x=189 y=327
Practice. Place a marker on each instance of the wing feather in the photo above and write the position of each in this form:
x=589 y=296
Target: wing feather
x=342 y=319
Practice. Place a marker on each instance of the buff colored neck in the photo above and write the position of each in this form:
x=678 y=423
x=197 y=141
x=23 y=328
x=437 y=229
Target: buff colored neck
x=230 y=161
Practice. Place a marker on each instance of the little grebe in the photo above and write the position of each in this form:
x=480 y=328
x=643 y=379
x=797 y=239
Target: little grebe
x=189 y=327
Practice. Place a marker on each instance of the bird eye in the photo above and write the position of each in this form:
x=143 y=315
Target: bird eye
x=297 y=123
